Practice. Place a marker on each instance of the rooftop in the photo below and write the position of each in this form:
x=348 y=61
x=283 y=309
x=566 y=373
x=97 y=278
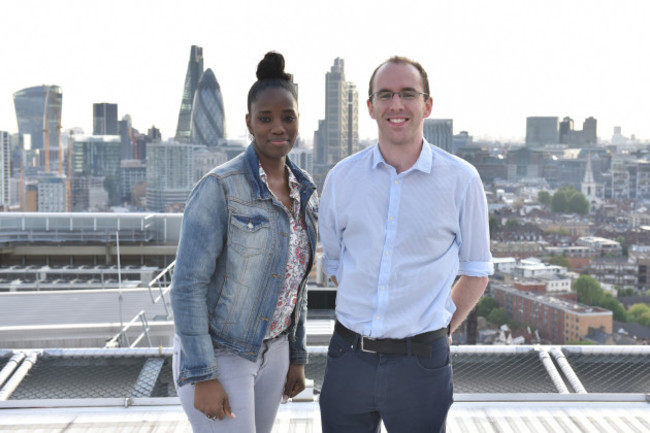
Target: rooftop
x=497 y=389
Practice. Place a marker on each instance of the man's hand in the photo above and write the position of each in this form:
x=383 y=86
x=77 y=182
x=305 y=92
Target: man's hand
x=295 y=381
x=211 y=399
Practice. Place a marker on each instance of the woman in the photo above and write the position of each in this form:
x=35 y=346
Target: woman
x=247 y=244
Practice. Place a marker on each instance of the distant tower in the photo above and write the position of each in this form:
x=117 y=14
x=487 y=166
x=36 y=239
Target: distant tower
x=588 y=185
x=105 y=119
x=439 y=132
x=541 y=131
x=38 y=111
x=208 y=118
x=566 y=126
x=589 y=130
x=338 y=134
x=192 y=77
x=5 y=170
x=125 y=129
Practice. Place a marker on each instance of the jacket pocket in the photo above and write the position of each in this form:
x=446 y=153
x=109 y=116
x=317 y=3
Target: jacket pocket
x=248 y=234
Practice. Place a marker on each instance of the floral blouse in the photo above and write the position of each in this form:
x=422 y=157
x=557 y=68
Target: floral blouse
x=299 y=253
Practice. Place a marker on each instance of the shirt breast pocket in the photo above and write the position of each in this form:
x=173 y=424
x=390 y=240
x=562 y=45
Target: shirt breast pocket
x=248 y=234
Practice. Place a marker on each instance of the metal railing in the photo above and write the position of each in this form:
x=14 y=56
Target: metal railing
x=121 y=339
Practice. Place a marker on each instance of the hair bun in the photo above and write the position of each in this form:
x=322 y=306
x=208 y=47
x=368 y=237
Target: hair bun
x=272 y=67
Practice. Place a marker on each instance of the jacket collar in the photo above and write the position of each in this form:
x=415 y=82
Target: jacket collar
x=259 y=187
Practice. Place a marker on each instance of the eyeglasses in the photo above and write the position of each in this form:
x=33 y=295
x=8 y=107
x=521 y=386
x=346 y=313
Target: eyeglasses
x=404 y=95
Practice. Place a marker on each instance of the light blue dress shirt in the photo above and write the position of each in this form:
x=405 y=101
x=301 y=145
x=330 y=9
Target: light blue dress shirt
x=396 y=242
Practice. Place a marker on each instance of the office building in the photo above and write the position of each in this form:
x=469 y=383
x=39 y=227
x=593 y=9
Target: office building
x=192 y=77
x=99 y=156
x=557 y=321
x=51 y=192
x=208 y=120
x=303 y=158
x=440 y=132
x=5 y=170
x=38 y=111
x=207 y=158
x=590 y=130
x=127 y=133
x=133 y=172
x=578 y=138
x=541 y=131
x=170 y=175
x=338 y=134
x=88 y=194
x=105 y=119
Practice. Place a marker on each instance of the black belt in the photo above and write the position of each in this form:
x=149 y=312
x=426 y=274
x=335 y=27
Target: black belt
x=392 y=345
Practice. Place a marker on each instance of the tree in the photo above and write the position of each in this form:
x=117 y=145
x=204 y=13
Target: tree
x=560 y=261
x=569 y=199
x=485 y=306
x=589 y=290
x=544 y=198
x=624 y=292
x=640 y=313
x=559 y=203
x=578 y=204
x=513 y=223
x=498 y=316
x=610 y=303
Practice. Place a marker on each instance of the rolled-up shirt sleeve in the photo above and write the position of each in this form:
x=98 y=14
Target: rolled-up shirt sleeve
x=474 y=234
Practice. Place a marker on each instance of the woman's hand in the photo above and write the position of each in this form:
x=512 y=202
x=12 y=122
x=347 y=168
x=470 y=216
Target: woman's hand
x=211 y=399
x=295 y=381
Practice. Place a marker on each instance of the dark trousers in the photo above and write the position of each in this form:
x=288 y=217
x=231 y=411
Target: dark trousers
x=409 y=393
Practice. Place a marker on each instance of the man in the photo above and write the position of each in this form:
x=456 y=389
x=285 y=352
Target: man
x=399 y=222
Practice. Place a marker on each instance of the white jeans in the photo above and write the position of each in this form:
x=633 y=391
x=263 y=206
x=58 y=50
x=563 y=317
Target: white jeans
x=254 y=389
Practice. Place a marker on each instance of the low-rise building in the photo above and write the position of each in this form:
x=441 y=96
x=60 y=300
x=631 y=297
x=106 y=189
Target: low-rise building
x=557 y=321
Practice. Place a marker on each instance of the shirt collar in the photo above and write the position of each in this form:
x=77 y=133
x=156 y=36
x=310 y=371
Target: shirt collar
x=423 y=163
x=294 y=185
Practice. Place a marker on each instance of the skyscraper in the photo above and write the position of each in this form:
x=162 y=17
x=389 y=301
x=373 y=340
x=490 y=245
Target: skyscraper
x=578 y=138
x=590 y=130
x=208 y=124
x=541 y=131
x=338 y=134
x=105 y=119
x=38 y=111
x=440 y=132
x=5 y=169
x=192 y=77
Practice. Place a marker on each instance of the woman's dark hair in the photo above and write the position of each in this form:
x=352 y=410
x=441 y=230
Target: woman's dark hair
x=270 y=73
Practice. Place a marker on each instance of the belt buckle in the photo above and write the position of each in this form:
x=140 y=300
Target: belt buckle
x=363 y=349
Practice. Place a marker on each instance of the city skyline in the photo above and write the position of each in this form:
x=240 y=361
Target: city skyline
x=491 y=64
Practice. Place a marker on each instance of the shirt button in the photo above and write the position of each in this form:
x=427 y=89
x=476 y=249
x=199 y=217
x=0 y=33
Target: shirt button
x=392 y=218
x=377 y=317
x=383 y=287
x=387 y=253
x=397 y=182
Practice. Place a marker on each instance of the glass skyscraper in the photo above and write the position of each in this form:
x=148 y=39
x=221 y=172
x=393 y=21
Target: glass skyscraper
x=208 y=119
x=194 y=72
x=105 y=119
x=38 y=111
x=338 y=134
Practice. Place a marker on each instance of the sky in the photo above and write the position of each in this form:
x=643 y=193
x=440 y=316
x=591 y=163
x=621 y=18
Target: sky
x=491 y=64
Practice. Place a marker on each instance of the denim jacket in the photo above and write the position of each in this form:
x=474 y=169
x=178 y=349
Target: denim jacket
x=230 y=266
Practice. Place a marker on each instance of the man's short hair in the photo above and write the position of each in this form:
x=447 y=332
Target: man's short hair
x=403 y=60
